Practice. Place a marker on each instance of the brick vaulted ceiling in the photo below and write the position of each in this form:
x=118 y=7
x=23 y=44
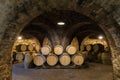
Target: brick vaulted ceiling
x=75 y=25
x=15 y=14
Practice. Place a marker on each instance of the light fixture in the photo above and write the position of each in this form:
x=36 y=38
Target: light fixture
x=100 y=37
x=19 y=37
x=61 y=23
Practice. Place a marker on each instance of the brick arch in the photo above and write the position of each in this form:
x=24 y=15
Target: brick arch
x=26 y=14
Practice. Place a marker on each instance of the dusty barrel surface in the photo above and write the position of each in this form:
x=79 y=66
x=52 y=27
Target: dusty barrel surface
x=71 y=49
x=46 y=49
x=65 y=59
x=52 y=60
x=78 y=59
x=58 y=49
x=39 y=60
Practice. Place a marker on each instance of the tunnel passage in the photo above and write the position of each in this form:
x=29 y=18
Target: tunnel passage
x=105 y=13
x=60 y=36
x=75 y=24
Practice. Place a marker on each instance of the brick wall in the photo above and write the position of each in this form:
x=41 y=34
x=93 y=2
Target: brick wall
x=16 y=14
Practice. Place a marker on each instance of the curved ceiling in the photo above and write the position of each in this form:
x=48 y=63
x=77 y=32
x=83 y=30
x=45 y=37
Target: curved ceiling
x=75 y=25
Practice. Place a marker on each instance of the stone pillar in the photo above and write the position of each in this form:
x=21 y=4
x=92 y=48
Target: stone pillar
x=116 y=63
x=5 y=62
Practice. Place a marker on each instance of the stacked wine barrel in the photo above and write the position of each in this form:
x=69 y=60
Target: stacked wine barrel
x=58 y=58
x=24 y=48
x=96 y=53
x=21 y=50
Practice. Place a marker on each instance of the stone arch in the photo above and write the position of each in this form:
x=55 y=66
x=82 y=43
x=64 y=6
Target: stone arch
x=27 y=13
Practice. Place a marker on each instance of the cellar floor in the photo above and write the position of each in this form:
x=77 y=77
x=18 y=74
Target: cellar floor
x=95 y=71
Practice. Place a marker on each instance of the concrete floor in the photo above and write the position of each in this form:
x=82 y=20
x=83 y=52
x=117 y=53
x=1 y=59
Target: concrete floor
x=95 y=71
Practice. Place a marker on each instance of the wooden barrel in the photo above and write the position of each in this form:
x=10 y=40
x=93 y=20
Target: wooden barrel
x=28 y=59
x=21 y=47
x=106 y=58
x=19 y=57
x=46 y=50
x=98 y=47
x=89 y=47
x=65 y=59
x=58 y=49
x=52 y=60
x=95 y=47
x=75 y=43
x=78 y=59
x=30 y=47
x=39 y=60
x=71 y=49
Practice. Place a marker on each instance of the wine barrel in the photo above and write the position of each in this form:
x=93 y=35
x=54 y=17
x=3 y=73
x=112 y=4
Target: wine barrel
x=19 y=57
x=95 y=47
x=58 y=49
x=21 y=47
x=98 y=47
x=28 y=59
x=65 y=59
x=78 y=59
x=46 y=50
x=106 y=58
x=71 y=49
x=89 y=47
x=39 y=60
x=52 y=60
x=30 y=47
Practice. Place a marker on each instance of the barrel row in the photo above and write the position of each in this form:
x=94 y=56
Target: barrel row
x=100 y=57
x=58 y=50
x=24 y=47
x=94 y=48
x=51 y=59
x=64 y=60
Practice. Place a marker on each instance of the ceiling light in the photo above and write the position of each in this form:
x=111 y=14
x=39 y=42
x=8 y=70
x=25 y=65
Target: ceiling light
x=19 y=37
x=60 y=23
x=100 y=37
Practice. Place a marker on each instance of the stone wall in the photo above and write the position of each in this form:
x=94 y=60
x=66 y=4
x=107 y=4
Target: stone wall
x=16 y=14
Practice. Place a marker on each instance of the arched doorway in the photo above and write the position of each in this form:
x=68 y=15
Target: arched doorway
x=109 y=27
